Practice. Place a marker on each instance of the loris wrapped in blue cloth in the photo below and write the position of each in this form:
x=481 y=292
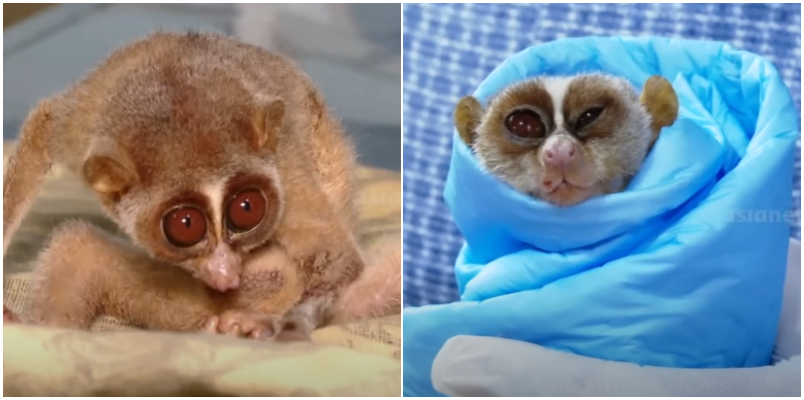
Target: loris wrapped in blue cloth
x=680 y=265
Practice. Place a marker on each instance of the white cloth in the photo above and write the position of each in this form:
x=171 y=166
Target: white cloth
x=483 y=366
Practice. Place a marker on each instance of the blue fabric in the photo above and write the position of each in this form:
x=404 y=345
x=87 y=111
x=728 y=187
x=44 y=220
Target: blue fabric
x=448 y=49
x=683 y=269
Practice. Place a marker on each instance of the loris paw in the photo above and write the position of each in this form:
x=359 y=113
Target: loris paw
x=257 y=325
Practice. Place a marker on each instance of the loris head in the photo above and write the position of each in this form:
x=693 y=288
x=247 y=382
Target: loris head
x=567 y=139
x=192 y=177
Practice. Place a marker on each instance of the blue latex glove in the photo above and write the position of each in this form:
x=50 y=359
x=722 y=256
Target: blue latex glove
x=481 y=366
x=667 y=273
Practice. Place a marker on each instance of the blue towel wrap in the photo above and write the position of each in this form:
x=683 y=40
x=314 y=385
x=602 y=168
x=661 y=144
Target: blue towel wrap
x=685 y=268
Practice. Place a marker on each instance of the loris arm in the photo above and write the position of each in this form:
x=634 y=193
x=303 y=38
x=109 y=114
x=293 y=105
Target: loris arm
x=26 y=168
x=339 y=285
x=329 y=260
x=84 y=273
x=25 y=171
x=378 y=290
x=106 y=276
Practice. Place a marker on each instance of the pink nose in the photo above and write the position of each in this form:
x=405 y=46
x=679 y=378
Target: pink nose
x=560 y=153
x=222 y=271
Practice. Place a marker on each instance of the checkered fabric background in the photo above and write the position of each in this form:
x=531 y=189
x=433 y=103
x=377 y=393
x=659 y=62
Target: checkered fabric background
x=449 y=49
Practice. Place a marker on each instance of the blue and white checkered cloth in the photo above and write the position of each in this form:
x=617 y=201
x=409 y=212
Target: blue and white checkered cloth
x=449 y=49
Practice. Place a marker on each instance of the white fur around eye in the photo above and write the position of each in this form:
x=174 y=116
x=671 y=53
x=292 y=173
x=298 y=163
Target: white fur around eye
x=557 y=87
x=215 y=192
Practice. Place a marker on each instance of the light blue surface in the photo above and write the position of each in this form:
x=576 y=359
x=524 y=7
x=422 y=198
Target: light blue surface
x=683 y=269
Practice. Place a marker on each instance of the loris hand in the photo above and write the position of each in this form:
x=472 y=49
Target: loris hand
x=261 y=326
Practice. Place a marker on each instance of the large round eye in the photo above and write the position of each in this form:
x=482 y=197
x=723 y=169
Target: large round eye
x=185 y=226
x=587 y=117
x=525 y=124
x=246 y=210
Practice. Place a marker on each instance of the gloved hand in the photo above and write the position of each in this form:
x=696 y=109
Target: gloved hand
x=483 y=366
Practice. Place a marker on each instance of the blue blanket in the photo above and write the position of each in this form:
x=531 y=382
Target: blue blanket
x=685 y=268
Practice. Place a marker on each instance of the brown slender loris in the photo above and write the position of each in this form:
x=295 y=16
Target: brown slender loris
x=223 y=165
x=567 y=139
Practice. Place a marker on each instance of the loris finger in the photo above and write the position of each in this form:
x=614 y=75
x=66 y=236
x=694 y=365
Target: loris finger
x=242 y=323
x=260 y=326
x=210 y=325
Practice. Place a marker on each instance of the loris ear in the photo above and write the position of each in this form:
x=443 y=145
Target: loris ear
x=108 y=169
x=467 y=117
x=661 y=101
x=269 y=115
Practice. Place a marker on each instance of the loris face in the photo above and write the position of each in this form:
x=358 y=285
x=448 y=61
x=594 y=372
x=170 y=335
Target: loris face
x=207 y=227
x=191 y=177
x=561 y=139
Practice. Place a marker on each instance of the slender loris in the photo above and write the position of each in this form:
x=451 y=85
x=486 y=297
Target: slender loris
x=567 y=139
x=234 y=183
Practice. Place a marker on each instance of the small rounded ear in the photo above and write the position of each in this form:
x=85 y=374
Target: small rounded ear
x=467 y=117
x=661 y=101
x=107 y=169
x=268 y=119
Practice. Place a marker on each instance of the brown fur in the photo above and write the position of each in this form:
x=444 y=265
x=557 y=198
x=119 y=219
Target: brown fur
x=9 y=316
x=530 y=93
x=381 y=282
x=607 y=153
x=178 y=119
x=661 y=101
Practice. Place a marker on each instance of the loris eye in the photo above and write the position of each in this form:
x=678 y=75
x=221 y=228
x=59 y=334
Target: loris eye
x=525 y=124
x=185 y=226
x=587 y=117
x=246 y=210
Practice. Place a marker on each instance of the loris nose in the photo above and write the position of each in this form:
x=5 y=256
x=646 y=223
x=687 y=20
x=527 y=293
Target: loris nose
x=560 y=153
x=222 y=271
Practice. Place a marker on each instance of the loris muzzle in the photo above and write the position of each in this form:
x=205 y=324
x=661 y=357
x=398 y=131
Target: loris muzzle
x=567 y=139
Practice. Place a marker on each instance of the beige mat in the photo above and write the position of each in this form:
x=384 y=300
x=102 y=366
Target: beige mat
x=56 y=362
